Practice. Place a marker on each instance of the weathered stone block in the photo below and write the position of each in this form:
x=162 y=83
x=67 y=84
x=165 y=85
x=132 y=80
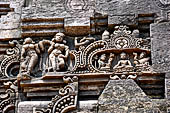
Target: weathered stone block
x=122 y=96
x=27 y=106
x=160 y=46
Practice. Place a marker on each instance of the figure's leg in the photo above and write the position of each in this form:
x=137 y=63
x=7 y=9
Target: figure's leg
x=61 y=63
x=32 y=63
x=53 y=62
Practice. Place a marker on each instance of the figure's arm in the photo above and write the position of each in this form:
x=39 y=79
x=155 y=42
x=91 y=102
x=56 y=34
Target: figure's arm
x=51 y=48
x=135 y=56
x=129 y=63
x=37 y=49
x=117 y=65
x=67 y=51
x=23 y=50
x=76 y=42
x=42 y=43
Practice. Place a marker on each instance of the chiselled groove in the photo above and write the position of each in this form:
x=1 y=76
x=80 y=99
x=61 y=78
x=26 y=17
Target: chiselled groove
x=38 y=27
x=42 y=26
x=5 y=8
x=42 y=19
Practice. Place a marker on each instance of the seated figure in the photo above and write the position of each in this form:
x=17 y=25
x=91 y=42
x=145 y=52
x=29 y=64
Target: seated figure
x=123 y=62
x=143 y=61
x=101 y=61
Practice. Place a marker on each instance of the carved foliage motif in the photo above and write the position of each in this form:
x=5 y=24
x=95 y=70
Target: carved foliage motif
x=66 y=100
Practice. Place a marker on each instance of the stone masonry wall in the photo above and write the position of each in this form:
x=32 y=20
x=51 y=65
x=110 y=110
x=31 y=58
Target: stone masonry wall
x=10 y=23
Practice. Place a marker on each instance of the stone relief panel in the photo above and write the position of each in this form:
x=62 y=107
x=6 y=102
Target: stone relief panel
x=44 y=56
x=119 y=52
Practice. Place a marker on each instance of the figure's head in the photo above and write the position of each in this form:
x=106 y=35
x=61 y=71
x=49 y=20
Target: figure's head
x=59 y=37
x=103 y=57
x=105 y=35
x=123 y=55
x=135 y=33
x=142 y=55
x=28 y=41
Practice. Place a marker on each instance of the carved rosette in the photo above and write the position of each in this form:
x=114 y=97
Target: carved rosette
x=123 y=39
x=66 y=100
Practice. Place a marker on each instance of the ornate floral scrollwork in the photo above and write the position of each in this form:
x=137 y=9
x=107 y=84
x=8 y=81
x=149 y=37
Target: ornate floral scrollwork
x=123 y=76
x=66 y=100
x=8 y=100
x=83 y=59
x=9 y=66
x=94 y=57
x=123 y=39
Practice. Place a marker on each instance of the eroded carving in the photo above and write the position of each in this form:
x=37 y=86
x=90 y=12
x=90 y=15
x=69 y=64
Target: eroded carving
x=163 y=4
x=94 y=57
x=29 y=56
x=142 y=63
x=58 y=53
x=83 y=42
x=123 y=64
x=66 y=100
x=44 y=56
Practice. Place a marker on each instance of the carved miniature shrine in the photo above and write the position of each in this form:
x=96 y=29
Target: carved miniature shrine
x=84 y=56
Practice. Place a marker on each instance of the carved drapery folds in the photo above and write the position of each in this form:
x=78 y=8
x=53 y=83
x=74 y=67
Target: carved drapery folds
x=119 y=52
x=65 y=101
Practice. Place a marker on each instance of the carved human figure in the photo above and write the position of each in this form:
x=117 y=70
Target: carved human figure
x=101 y=61
x=111 y=57
x=58 y=52
x=105 y=35
x=135 y=33
x=142 y=61
x=123 y=62
x=29 y=56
